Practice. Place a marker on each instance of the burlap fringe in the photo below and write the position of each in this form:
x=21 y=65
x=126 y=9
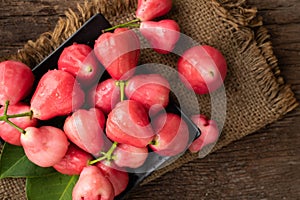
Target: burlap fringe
x=254 y=38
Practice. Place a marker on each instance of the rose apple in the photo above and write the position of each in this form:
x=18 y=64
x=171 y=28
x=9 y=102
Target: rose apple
x=202 y=69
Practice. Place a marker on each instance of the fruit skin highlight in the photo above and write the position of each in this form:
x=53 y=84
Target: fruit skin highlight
x=128 y=123
x=117 y=176
x=73 y=162
x=57 y=94
x=85 y=129
x=209 y=132
x=45 y=146
x=105 y=95
x=172 y=135
x=130 y=156
x=16 y=81
x=118 y=52
x=151 y=90
x=150 y=9
x=202 y=69
x=92 y=185
x=80 y=61
x=166 y=30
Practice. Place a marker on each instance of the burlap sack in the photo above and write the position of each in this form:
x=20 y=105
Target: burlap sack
x=256 y=93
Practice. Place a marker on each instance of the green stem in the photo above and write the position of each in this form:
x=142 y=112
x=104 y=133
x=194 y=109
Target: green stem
x=127 y=24
x=5 y=117
x=153 y=142
x=25 y=114
x=6 y=108
x=121 y=85
x=15 y=126
x=134 y=25
x=111 y=150
x=97 y=160
x=106 y=156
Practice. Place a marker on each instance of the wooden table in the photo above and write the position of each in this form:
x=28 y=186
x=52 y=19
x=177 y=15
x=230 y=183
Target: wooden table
x=264 y=165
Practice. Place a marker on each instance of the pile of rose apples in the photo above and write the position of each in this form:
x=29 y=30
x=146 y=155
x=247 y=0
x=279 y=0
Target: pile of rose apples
x=112 y=124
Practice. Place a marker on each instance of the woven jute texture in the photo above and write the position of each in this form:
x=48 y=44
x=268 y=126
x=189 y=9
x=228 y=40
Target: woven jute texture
x=256 y=94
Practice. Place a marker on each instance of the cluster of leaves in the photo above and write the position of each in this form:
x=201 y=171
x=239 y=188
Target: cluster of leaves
x=41 y=183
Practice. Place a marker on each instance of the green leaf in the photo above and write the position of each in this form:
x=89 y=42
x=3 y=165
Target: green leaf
x=54 y=187
x=14 y=163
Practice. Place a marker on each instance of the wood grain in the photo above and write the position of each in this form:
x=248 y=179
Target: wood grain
x=264 y=165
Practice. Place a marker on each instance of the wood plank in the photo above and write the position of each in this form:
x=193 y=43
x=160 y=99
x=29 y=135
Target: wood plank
x=264 y=165
x=273 y=4
x=34 y=16
x=35 y=8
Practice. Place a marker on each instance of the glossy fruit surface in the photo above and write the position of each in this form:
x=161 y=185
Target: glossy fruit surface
x=80 y=61
x=85 y=129
x=209 y=132
x=74 y=161
x=118 y=52
x=202 y=69
x=16 y=81
x=150 y=9
x=57 y=94
x=45 y=146
x=151 y=90
x=166 y=30
x=130 y=156
x=92 y=185
x=172 y=135
x=128 y=123
x=105 y=96
x=117 y=176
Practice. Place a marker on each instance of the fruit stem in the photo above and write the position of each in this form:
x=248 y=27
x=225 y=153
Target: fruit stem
x=6 y=108
x=15 y=126
x=121 y=85
x=153 y=142
x=25 y=114
x=134 y=25
x=106 y=156
x=111 y=150
x=97 y=160
x=5 y=117
x=89 y=69
x=127 y=24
